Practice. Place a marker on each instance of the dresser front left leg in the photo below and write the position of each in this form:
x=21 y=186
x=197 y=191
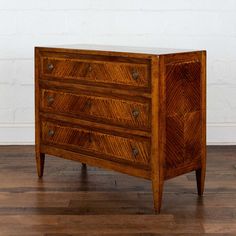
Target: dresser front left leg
x=40 y=158
x=200 y=177
x=157 y=189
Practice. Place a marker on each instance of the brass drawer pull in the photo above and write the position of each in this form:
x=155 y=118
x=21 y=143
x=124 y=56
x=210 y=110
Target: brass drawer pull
x=50 y=66
x=135 y=151
x=135 y=74
x=135 y=113
x=50 y=99
x=51 y=133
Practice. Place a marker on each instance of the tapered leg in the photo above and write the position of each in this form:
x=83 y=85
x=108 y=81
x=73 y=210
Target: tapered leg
x=200 y=177
x=157 y=189
x=84 y=165
x=40 y=157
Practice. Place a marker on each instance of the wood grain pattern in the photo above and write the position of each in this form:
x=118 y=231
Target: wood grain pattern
x=39 y=157
x=106 y=107
x=107 y=145
x=99 y=108
x=136 y=170
x=156 y=161
x=201 y=172
x=128 y=74
x=119 y=130
x=183 y=114
x=88 y=89
x=72 y=201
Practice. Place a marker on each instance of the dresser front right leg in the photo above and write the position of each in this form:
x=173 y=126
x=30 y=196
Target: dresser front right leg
x=157 y=189
x=40 y=158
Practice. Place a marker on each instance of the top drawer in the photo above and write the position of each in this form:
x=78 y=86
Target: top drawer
x=96 y=71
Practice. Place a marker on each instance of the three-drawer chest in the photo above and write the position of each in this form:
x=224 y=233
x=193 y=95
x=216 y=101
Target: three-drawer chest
x=139 y=111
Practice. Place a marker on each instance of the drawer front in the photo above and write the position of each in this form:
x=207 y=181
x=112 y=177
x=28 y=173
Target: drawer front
x=114 y=73
x=96 y=143
x=103 y=109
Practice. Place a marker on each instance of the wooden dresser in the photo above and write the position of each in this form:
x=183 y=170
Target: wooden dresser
x=140 y=111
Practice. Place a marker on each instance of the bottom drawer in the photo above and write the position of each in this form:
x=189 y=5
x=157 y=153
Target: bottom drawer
x=96 y=143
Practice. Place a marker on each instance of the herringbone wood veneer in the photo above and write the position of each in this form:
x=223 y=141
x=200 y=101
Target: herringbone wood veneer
x=183 y=108
x=99 y=71
x=115 y=111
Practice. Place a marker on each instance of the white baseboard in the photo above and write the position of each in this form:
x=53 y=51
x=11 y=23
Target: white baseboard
x=23 y=134
x=17 y=134
x=221 y=134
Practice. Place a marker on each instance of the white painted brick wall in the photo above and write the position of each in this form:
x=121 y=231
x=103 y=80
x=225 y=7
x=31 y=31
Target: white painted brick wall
x=197 y=24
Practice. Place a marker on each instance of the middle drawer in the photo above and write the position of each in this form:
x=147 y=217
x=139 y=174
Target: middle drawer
x=98 y=108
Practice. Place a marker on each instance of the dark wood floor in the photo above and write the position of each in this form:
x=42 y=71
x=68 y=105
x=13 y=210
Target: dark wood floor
x=74 y=201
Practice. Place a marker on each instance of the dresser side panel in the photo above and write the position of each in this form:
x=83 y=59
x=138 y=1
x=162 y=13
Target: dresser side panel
x=184 y=112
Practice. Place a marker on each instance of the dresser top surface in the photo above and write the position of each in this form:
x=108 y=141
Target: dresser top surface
x=121 y=49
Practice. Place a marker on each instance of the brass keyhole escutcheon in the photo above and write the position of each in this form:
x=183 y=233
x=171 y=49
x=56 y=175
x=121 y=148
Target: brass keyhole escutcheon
x=90 y=68
x=88 y=104
x=135 y=75
x=90 y=138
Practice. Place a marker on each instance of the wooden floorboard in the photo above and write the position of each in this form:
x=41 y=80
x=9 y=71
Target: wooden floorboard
x=71 y=201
